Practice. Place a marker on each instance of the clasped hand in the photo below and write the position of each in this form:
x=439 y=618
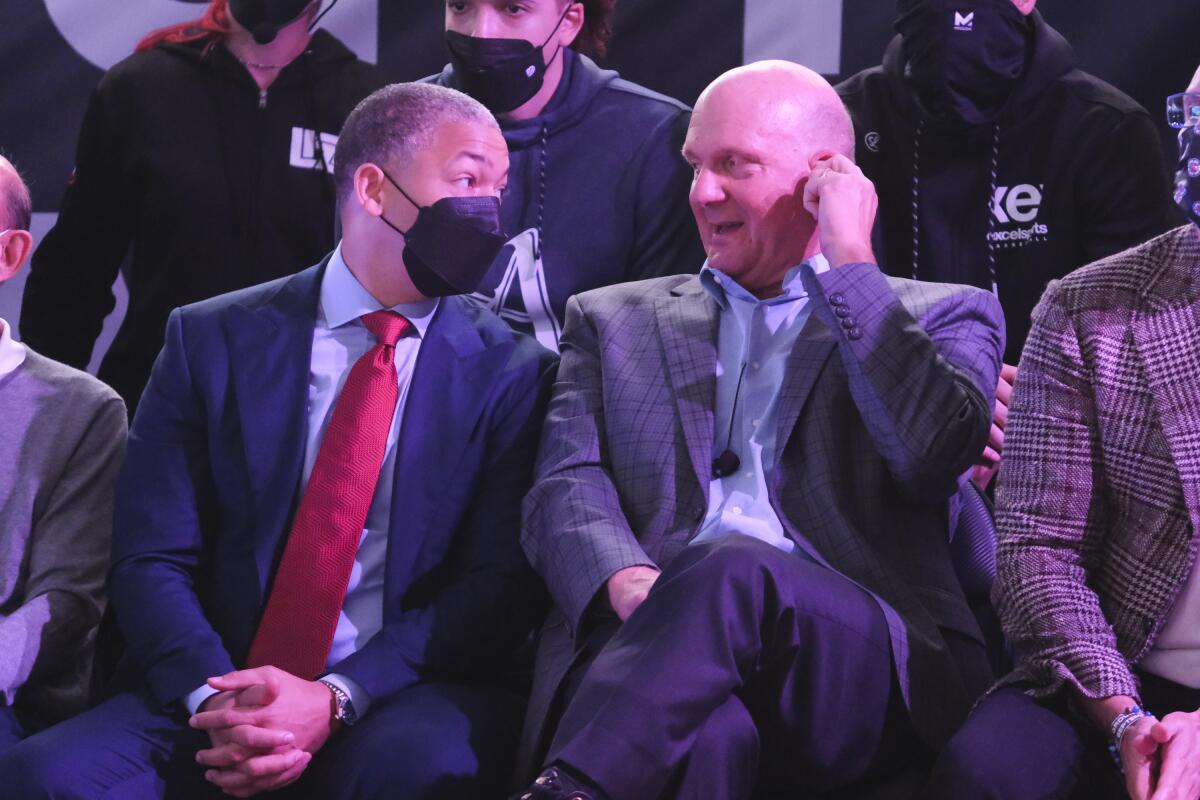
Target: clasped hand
x=265 y=724
x=1162 y=759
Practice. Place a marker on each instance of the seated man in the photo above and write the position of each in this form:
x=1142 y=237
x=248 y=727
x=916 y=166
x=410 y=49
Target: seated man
x=750 y=470
x=62 y=433
x=1097 y=510
x=316 y=544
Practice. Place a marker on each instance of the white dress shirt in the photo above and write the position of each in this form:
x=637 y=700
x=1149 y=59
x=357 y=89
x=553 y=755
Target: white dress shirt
x=12 y=352
x=755 y=339
x=339 y=340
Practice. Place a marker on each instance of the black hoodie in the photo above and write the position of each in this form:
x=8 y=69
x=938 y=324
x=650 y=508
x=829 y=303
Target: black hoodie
x=214 y=185
x=1079 y=174
x=599 y=175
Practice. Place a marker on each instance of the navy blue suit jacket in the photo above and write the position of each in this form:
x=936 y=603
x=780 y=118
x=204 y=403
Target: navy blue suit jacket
x=212 y=476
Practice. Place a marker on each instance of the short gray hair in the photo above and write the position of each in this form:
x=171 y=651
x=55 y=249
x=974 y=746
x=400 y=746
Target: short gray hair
x=395 y=123
x=18 y=205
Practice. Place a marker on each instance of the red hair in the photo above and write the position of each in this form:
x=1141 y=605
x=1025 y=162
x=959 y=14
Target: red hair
x=210 y=28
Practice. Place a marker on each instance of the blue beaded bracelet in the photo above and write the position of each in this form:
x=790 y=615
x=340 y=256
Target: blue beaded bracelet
x=1120 y=725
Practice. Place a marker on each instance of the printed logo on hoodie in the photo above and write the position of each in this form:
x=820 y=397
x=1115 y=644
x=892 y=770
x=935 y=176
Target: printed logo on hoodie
x=1015 y=211
x=521 y=298
x=304 y=154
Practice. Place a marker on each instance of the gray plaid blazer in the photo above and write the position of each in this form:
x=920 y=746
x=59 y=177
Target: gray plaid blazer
x=1099 y=492
x=888 y=401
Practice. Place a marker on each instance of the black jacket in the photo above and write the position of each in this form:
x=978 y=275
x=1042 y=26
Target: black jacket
x=1079 y=175
x=599 y=176
x=212 y=185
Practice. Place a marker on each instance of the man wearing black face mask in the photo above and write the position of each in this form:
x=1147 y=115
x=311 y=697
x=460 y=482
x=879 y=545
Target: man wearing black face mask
x=315 y=555
x=598 y=192
x=998 y=163
x=1098 y=584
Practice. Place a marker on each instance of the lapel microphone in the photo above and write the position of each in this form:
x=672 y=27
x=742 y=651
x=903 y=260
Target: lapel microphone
x=728 y=461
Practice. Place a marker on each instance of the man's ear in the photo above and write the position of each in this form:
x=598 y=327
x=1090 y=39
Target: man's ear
x=368 y=188
x=572 y=23
x=14 y=247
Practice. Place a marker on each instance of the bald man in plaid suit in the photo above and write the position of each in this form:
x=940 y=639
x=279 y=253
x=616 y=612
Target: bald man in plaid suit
x=740 y=503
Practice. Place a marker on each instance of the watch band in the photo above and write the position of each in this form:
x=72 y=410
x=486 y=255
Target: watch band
x=341 y=708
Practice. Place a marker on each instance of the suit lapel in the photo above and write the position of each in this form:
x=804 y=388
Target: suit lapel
x=450 y=386
x=810 y=352
x=688 y=321
x=1167 y=336
x=271 y=350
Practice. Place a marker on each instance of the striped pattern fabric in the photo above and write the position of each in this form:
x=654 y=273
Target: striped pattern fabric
x=1099 y=490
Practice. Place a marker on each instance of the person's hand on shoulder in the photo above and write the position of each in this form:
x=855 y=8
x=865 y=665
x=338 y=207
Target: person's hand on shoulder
x=989 y=461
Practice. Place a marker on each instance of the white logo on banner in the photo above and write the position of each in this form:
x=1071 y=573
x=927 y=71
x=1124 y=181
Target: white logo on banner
x=106 y=32
x=304 y=149
x=964 y=22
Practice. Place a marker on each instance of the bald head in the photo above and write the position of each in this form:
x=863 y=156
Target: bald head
x=785 y=102
x=16 y=210
x=753 y=137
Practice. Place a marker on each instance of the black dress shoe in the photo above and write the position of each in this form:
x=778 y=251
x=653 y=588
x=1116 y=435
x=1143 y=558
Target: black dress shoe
x=555 y=784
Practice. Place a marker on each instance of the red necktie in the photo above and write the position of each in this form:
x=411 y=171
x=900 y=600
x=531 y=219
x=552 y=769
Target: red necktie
x=306 y=599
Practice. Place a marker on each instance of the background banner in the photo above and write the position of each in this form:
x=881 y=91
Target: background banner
x=53 y=52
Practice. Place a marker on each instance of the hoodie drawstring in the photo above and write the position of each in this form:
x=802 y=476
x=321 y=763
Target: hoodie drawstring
x=542 y=141
x=991 y=243
x=991 y=216
x=916 y=198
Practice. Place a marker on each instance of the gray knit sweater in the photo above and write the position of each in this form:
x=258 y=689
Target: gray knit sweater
x=62 y=437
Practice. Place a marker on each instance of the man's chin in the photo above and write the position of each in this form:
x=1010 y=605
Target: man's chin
x=723 y=260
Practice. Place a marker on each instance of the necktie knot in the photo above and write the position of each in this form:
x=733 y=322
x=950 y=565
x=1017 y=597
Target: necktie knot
x=386 y=326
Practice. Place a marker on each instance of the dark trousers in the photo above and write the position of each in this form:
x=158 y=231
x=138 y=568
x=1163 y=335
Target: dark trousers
x=1014 y=747
x=12 y=729
x=747 y=671
x=429 y=741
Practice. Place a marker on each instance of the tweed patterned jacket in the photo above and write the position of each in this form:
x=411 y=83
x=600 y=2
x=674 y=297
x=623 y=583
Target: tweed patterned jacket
x=1099 y=491
x=887 y=400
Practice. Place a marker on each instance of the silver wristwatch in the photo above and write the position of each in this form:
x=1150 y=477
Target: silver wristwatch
x=341 y=708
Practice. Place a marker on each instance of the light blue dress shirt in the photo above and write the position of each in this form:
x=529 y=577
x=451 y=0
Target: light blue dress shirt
x=755 y=339
x=339 y=340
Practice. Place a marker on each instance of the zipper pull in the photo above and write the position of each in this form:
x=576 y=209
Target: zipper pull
x=262 y=98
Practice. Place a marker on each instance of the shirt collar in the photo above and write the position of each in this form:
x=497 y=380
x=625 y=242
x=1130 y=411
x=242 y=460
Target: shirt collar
x=12 y=352
x=724 y=288
x=344 y=299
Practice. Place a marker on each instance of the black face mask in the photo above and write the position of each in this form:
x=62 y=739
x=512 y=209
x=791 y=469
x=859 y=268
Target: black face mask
x=503 y=74
x=264 y=18
x=452 y=244
x=963 y=57
x=1187 y=175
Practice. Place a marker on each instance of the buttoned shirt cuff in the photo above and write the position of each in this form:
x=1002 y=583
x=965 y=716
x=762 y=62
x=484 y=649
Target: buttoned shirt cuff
x=358 y=695
x=196 y=698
